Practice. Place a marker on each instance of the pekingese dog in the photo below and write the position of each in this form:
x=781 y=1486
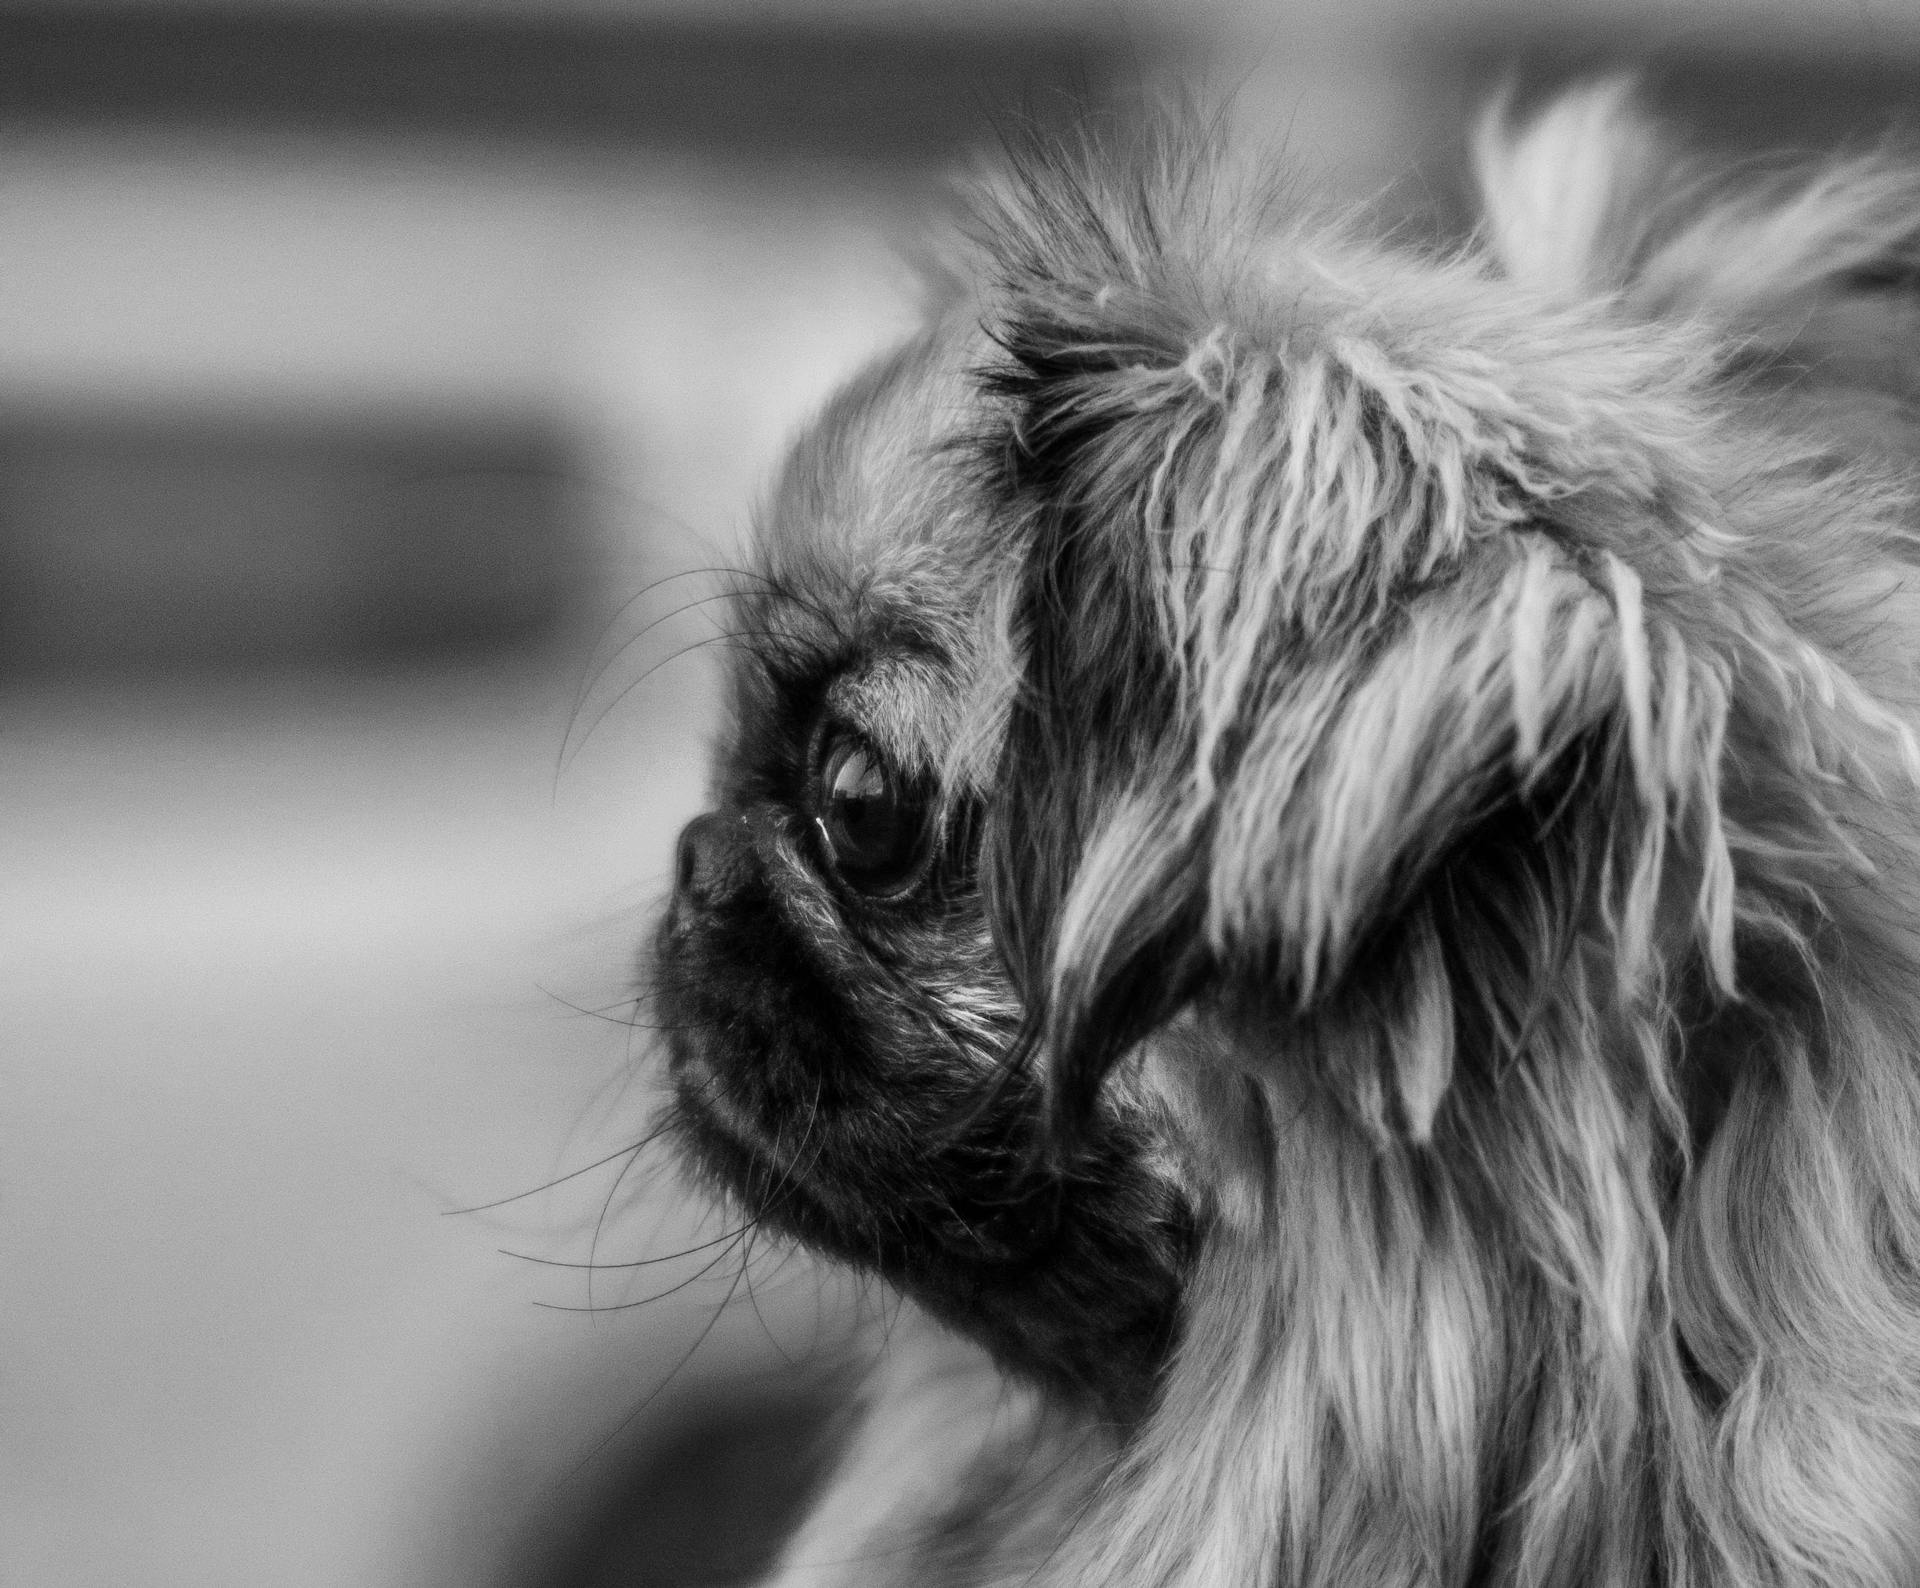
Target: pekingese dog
x=1317 y=861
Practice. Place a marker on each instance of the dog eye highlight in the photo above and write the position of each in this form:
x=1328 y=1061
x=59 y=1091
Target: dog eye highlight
x=873 y=823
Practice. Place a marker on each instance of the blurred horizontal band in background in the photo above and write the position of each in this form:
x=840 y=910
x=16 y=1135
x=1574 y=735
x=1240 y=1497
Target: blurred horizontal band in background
x=334 y=331
x=364 y=369
x=281 y=283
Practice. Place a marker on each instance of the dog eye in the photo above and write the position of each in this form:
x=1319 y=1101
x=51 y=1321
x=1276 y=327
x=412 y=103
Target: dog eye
x=874 y=826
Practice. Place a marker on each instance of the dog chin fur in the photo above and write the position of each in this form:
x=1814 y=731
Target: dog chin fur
x=1441 y=732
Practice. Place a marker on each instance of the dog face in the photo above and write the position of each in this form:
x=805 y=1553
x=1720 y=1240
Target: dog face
x=841 y=1013
x=1292 y=854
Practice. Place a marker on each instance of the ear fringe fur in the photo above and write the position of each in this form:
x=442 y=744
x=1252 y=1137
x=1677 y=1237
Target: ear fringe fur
x=1280 y=499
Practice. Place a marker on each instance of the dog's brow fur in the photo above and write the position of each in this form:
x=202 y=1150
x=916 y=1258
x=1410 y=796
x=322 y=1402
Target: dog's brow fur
x=1446 y=731
x=902 y=703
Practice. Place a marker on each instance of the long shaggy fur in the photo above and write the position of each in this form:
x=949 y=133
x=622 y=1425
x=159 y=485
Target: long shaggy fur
x=1439 y=740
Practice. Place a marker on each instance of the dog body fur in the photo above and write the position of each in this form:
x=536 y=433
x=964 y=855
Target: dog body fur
x=1424 y=753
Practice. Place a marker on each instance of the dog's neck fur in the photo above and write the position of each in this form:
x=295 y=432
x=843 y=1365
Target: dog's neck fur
x=1386 y=1379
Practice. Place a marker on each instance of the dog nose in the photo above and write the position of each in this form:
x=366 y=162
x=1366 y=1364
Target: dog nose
x=713 y=858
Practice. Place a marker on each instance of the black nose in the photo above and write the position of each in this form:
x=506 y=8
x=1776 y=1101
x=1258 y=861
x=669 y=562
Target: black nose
x=714 y=858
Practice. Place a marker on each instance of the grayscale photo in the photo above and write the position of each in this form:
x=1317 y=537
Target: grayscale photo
x=960 y=794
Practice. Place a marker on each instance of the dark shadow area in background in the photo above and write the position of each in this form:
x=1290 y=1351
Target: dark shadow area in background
x=1731 y=95
x=166 y=541
x=711 y=1495
x=170 y=538
x=753 y=87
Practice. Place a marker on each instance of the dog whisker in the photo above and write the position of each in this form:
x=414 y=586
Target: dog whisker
x=629 y=1153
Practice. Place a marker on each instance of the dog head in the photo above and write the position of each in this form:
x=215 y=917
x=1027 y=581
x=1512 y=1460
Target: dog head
x=1286 y=798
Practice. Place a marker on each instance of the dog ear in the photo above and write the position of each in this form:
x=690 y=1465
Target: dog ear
x=1298 y=632
x=1572 y=198
x=1814 y=265
x=1384 y=630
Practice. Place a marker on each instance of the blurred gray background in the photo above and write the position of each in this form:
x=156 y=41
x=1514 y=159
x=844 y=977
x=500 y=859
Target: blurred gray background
x=365 y=369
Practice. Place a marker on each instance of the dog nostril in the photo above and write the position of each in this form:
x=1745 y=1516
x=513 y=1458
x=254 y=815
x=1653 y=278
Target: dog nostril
x=707 y=859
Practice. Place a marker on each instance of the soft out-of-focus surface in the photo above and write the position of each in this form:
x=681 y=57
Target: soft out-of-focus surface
x=277 y=396
x=292 y=966
x=131 y=544
x=269 y=1007
x=303 y=945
